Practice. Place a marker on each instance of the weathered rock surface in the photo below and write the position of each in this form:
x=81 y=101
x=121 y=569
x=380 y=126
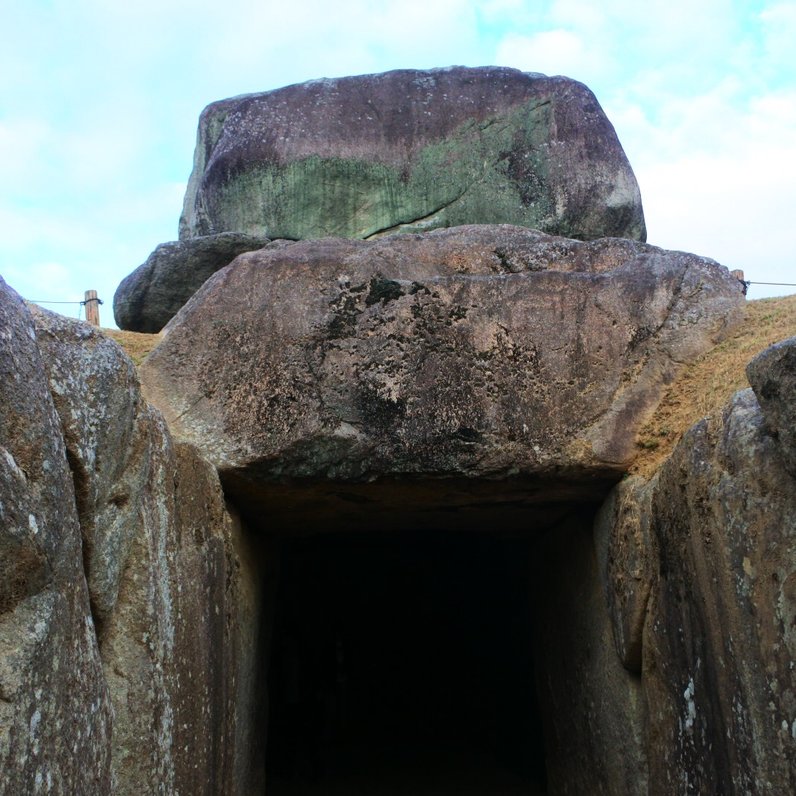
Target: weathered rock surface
x=471 y=352
x=137 y=534
x=719 y=644
x=96 y=394
x=55 y=713
x=410 y=151
x=149 y=297
x=623 y=549
x=163 y=560
x=218 y=600
x=593 y=709
x=716 y=531
x=772 y=374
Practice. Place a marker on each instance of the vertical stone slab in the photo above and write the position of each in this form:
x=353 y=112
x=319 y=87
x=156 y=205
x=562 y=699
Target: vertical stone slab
x=120 y=453
x=217 y=608
x=772 y=375
x=592 y=707
x=719 y=642
x=55 y=716
x=173 y=589
x=622 y=545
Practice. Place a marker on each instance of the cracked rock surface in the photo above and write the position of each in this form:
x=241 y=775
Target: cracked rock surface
x=484 y=351
x=45 y=615
x=125 y=585
x=772 y=375
x=412 y=150
x=701 y=588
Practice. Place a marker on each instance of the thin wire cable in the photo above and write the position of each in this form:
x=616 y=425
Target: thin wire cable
x=778 y=284
x=80 y=304
x=37 y=301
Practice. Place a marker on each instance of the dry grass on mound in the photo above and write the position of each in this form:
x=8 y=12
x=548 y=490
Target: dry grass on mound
x=708 y=383
x=135 y=344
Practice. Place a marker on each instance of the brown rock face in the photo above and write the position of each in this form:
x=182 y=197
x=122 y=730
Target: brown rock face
x=718 y=632
x=772 y=375
x=719 y=643
x=126 y=588
x=167 y=570
x=55 y=720
x=410 y=151
x=477 y=352
x=623 y=550
x=465 y=397
x=594 y=715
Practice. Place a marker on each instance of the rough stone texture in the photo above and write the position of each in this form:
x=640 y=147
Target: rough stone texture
x=149 y=298
x=719 y=638
x=622 y=543
x=55 y=715
x=410 y=151
x=170 y=582
x=464 y=353
x=720 y=644
x=96 y=394
x=101 y=513
x=592 y=708
x=217 y=610
x=666 y=633
x=772 y=375
x=121 y=459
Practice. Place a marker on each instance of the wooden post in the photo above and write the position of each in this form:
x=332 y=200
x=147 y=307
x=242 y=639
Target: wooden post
x=91 y=303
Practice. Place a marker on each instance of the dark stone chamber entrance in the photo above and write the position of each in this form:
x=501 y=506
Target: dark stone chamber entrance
x=403 y=663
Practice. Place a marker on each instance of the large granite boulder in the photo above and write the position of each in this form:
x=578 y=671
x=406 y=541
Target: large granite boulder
x=128 y=608
x=475 y=352
x=55 y=710
x=410 y=151
x=148 y=298
x=701 y=580
x=171 y=593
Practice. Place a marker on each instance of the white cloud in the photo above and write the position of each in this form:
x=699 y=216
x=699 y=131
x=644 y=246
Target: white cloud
x=719 y=179
x=100 y=102
x=582 y=15
x=779 y=34
x=552 y=52
x=664 y=24
x=780 y=22
x=58 y=253
x=669 y=46
x=23 y=144
x=299 y=41
x=702 y=97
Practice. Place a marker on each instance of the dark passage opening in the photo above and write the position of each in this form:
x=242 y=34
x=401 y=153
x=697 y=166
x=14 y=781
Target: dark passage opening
x=402 y=663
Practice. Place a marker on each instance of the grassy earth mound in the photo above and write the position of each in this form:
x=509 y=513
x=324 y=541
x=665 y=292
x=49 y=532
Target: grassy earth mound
x=705 y=385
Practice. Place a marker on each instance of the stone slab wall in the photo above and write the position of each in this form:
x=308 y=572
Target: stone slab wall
x=130 y=603
x=699 y=567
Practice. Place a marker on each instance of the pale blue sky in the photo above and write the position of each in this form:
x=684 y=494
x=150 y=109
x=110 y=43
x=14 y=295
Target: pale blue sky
x=99 y=101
